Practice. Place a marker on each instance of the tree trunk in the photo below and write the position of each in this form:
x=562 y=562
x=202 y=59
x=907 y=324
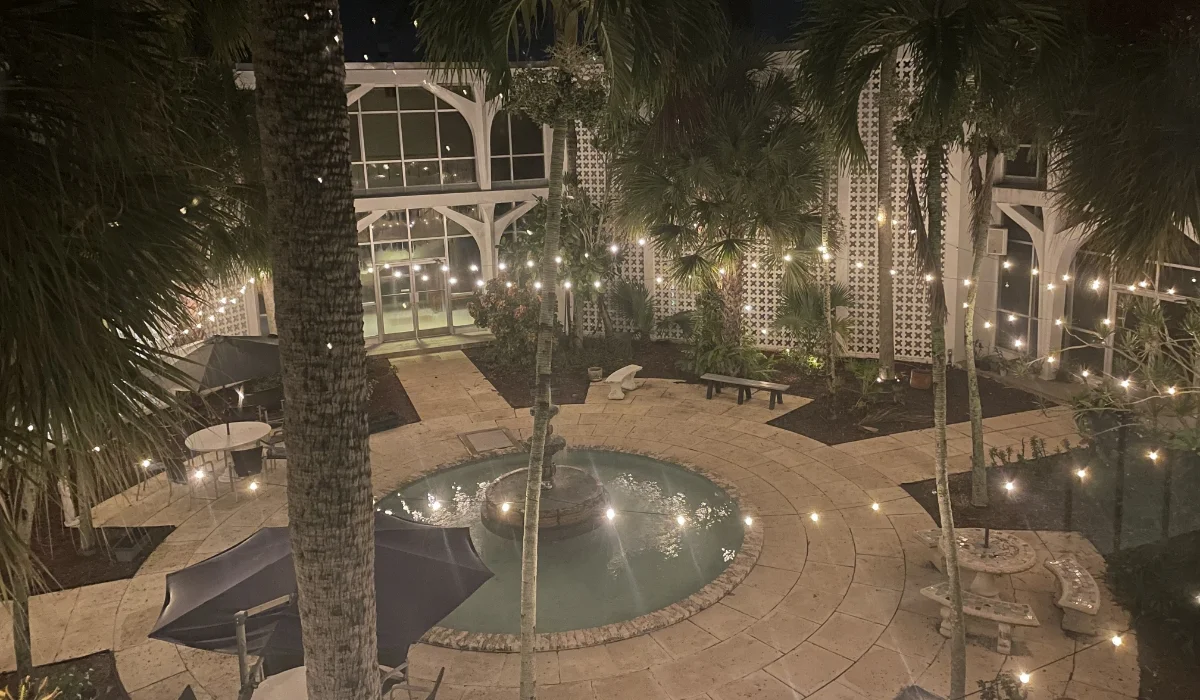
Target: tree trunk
x=576 y=321
x=883 y=194
x=303 y=127
x=85 y=497
x=934 y=158
x=22 y=570
x=729 y=286
x=602 y=311
x=981 y=214
x=266 y=286
x=828 y=214
x=541 y=412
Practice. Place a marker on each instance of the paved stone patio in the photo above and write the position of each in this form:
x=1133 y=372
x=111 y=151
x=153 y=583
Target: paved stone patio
x=831 y=610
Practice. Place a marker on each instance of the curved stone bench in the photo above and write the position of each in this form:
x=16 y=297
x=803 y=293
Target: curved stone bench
x=1079 y=596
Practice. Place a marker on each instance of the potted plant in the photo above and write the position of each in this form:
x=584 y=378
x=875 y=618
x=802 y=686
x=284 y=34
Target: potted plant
x=595 y=374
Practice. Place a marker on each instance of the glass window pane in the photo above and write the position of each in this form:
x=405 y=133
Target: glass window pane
x=379 y=99
x=391 y=227
x=501 y=169
x=455 y=135
x=355 y=146
x=464 y=255
x=500 y=135
x=381 y=137
x=458 y=171
x=420 y=136
x=1015 y=279
x=357 y=179
x=415 y=98
x=1023 y=163
x=354 y=106
x=422 y=172
x=385 y=175
x=426 y=223
x=526 y=136
x=391 y=252
x=429 y=248
x=528 y=168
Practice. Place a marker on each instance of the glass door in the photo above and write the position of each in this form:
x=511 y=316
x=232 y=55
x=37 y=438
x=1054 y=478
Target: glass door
x=396 y=303
x=370 y=306
x=429 y=297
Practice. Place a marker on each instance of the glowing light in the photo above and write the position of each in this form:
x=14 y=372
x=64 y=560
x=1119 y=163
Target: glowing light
x=182 y=210
x=1024 y=677
x=1132 y=288
x=566 y=284
x=199 y=474
x=145 y=463
x=508 y=285
x=747 y=307
x=1171 y=390
x=754 y=266
x=613 y=248
x=658 y=280
x=858 y=265
x=528 y=263
x=749 y=520
x=1116 y=640
x=1009 y=486
x=478 y=283
x=787 y=257
x=253 y=485
x=436 y=505
x=1006 y=264
x=1143 y=284
x=874 y=506
x=822 y=249
x=610 y=513
x=679 y=519
x=537 y=285
x=928 y=278
x=1012 y=318
x=720 y=271
x=1096 y=284
x=966 y=283
x=474 y=268
x=1084 y=374
x=558 y=259
x=1018 y=343
x=1058 y=321
x=504 y=507
x=96 y=448
x=397 y=273
x=1050 y=359
x=1034 y=271
x=1050 y=286
x=987 y=324
x=1171 y=290
x=503 y=266
x=424 y=278
x=880 y=217
x=596 y=284
x=320 y=180
x=764 y=331
x=1107 y=322
x=445 y=268
x=1124 y=383
x=966 y=305
x=825 y=257
x=1081 y=473
x=892 y=273
x=814 y=517
x=1152 y=455
x=641 y=241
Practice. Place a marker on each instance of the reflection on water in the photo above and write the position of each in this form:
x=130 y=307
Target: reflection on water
x=673 y=531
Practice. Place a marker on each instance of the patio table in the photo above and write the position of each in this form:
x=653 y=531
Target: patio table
x=227 y=437
x=1006 y=554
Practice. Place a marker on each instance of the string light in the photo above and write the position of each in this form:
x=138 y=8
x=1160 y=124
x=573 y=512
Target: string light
x=987 y=324
x=596 y=284
x=1143 y=284
x=892 y=273
x=253 y=485
x=1009 y=486
x=1124 y=383
x=528 y=263
x=329 y=346
x=1132 y=288
x=1050 y=359
x=1006 y=264
x=1107 y=322
x=474 y=268
x=1034 y=272
x=753 y=266
x=680 y=519
x=537 y=285
x=1050 y=285
x=928 y=278
x=1018 y=343
x=558 y=259
x=822 y=249
x=453 y=280
x=1096 y=284
x=658 y=280
x=825 y=257
x=1012 y=318
x=1066 y=278
x=641 y=241
x=613 y=249
x=503 y=266
x=858 y=265
x=566 y=284
x=747 y=307
x=1058 y=321
x=478 y=283
x=1081 y=473
x=199 y=474
x=1116 y=640
x=749 y=520
x=1084 y=374
x=1024 y=677
x=508 y=285
x=721 y=271
x=1171 y=390
x=1152 y=455
x=96 y=448
x=1171 y=291
x=445 y=268
x=787 y=257
x=965 y=305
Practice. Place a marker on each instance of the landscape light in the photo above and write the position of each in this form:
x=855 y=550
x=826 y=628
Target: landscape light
x=1116 y=640
x=253 y=485
x=610 y=513
x=504 y=507
x=1009 y=486
x=814 y=517
x=1024 y=677
x=1096 y=284
x=750 y=521
x=680 y=519
x=874 y=506
x=1081 y=473
x=145 y=463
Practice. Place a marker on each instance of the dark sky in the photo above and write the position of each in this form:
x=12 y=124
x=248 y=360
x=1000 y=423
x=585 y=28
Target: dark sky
x=382 y=30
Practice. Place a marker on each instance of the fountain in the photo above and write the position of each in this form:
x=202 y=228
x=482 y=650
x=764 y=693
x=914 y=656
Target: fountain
x=573 y=500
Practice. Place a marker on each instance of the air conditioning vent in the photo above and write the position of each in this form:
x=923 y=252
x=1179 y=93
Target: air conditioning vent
x=997 y=241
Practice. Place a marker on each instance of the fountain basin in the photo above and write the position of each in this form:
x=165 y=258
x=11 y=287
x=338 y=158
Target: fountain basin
x=573 y=505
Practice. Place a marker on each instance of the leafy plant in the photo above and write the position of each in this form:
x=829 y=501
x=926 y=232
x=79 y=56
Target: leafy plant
x=708 y=351
x=1036 y=451
x=510 y=312
x=802 y=312
x=635 y=302
x=28 y=691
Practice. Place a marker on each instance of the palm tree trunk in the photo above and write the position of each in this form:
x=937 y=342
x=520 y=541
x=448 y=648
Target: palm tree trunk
x=883 y=194
x=934 y=158
x=303 y=127
x=541 y=412
x=85 y=497
x=981 y=191
x=602 y=311
x=21 y=572
x=730 y=287
x=576 y=322
x=829 y=211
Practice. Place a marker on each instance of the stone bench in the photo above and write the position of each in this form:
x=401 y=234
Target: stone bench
x=1079 y=596
x=624 y=378
x=1004 y=614
x=933 y=540
x=745 y=386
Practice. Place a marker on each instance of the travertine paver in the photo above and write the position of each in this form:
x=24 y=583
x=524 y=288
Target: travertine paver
x=831 y=611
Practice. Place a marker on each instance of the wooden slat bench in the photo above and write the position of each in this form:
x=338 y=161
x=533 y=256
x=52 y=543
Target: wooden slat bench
x=1079 y=595
x=1003 y=613
x=745 y=386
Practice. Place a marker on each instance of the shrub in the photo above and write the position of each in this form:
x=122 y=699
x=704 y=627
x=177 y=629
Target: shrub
x=510 y=312
x=636 y=304
x=707 y=351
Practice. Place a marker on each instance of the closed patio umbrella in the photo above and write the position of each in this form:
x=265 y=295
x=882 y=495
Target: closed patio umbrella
x=422 y=573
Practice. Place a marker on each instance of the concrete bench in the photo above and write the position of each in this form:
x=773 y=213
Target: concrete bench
x=1006 y=615
x=745 y=386
x=1079 y=596
x=624 y=378
x=933 y=540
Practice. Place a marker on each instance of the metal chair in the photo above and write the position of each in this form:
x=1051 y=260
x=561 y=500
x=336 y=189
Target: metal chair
x=276 y=448
x=397 y=678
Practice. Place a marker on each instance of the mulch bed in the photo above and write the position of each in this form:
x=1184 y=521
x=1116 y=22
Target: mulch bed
x=658 y=360
x=389 y=405
x=56 y=548
x=86 y=678
x=833 y=418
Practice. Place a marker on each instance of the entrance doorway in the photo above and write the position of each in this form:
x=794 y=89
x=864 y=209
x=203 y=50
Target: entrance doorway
x=406 y=300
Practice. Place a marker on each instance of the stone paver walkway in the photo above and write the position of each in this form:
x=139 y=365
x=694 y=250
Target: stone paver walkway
x=831 y=611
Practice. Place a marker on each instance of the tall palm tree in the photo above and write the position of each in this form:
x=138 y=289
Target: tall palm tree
x=304 y=131
x=1125 y=146
x=835 y=67
x=642 y=47
x=954 y=47
x=744 y=171
x=117 y=199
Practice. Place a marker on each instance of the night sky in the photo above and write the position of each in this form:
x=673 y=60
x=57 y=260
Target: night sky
x=382 y=30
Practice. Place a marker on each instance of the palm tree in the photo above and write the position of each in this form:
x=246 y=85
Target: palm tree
x=304 y=131
x=834 y=68
x=954 y=48
x=1124 y=148
x=642 y=47
x=743 y=171
x=117 y=199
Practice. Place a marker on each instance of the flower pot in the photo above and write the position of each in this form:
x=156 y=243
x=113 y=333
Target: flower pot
x=595 y=374
x=920 y=379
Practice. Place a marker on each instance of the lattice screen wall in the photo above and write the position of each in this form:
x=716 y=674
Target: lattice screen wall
x=909 y=290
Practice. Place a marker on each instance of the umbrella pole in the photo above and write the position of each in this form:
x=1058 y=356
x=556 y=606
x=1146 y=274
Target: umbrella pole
x=239 y=622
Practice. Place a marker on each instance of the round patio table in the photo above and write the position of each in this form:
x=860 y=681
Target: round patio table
x=1005 y=554
x=288 y=685
x=227 y=437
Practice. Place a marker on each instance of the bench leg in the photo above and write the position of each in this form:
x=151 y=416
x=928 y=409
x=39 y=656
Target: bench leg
x=615 y=392
x=708 y=395
x=1004 y=638
x=741 y=389
x=1075 y=621
x=772 y=399
x=945 y=628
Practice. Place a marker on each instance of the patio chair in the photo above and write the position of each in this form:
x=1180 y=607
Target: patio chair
x=397 y=678
x=276 y=448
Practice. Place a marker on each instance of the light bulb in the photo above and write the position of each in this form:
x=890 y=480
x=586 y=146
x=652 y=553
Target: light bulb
x=658 y=280
x=424 y=278
x=474 y=268
x=199 y=474
x=1152 y=455
x=966 y=283
x=503 y=266
x=874 y=506
x=1050 y=286
x=641 y=241
x=537 y=285
x=504 y=507
x=145 y=463
x=1024 y=677
x=787 y=257
x=1034 y=272
x=478 y=283
x=1012 y=318
x=329 y=346
x=1018 y=342
x=253 y=485
x=566 y=284
x=1050 y=359
x=679 y=519
x=1171 y=390
x=825 y=257
x=558 y=259
x=453 y=280
x=1058 y=321
x=613 y=248
x=1116 y=640
x=1081 y=473
x=749 y=520
x=720 y=271
x=445 y=268
x=821 y=249
x=1066 y=278
x=928 y=278
x=596 y=284
x=1084 y=373
x=1006 y=264
x=987 y=324
x=1124 y=383
x=610 y=513
x=858 y=265
x=1096 y=284
x=397 y=273
x=1171 y=291
x=528 y=263
x=814 y=517
x=1009 y=486
x=1106 y=322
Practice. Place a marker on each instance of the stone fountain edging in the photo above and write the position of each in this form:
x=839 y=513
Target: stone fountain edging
x=706 y=597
